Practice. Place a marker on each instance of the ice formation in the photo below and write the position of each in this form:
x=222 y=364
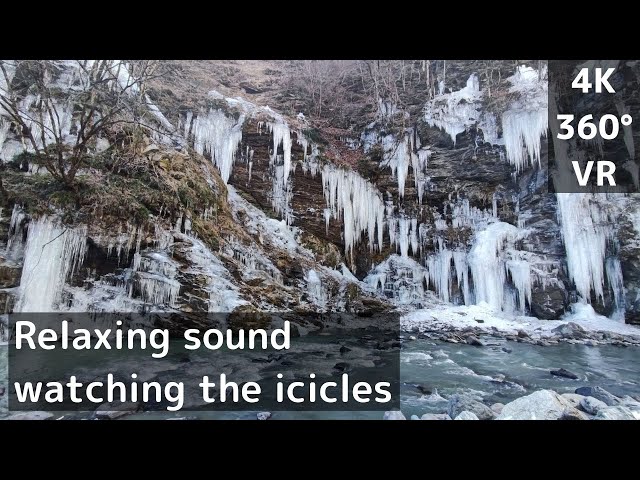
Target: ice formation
x=223 y=294
x=219 y=136
x=403 y=233
x=490 y=264
x=587 y=227
x=455 y=112
x=399 y=155
x=527 y=119
x=52 y=254
x=400 y=279
x=357 y=202
x=155 y=276
x=315 y=290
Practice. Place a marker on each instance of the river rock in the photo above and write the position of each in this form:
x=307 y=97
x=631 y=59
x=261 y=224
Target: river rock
x=263 y=415
x=592 y=405
x=466 y=415
x=394 y=415
x=506 y=350
x=30 y=416
x=497 y=408
x=561 y=372
x=459 y=403
x=540 y=405
x=618 y=412
x=475 y=341
x=117 y=410
x=570 y=330
x=435 y=416
x=571 y=413
x=600 y=394
x=573 y=398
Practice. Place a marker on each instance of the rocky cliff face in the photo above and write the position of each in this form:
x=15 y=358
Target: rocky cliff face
x=443 y=196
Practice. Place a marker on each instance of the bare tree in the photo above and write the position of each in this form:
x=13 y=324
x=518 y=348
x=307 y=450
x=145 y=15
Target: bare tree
x=59 y=108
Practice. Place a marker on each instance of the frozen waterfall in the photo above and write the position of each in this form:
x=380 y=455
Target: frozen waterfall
x=52 y=254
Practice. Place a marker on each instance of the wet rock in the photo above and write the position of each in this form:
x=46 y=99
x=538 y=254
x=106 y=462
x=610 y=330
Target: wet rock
x=570 y=330
x=344 y=350
x=435 y=416
x=571 y=413
x=507 y=350
x=592 y=405
x=497 y=408
x=475 y=341
x=466 y=415
x=561 y=372
x=549 y=302
x=459 y=403
x=522 y=334
x=10 y=275
x=263 y=415
x=618 y=412
x=30 y=416
x=573 y=398
x=116 y=410
x=342 y=366
x=540 y=405
x=394 y=415
x=598 y=393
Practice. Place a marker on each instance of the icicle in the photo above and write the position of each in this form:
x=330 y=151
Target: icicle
x=327 y=217
x=455 y=112
x=52 y=254
x=489 y=266
x=219 y=136
x=187 y=125
x=527 y=119
x=400 y=279
x=616 y=283
x=586 y=227
x=357 y=202
x=315 y=290
x=281 y=136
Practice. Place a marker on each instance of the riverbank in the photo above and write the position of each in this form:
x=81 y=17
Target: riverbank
x=586 y=403
x=476 y=324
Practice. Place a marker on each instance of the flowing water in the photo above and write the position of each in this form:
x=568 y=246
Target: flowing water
x=431 y=371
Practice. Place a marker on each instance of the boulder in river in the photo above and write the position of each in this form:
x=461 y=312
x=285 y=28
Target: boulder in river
x=600 y=394
x=475 y=341
x=561 y=372
x=459 y=403
x=573 y=398
x=591 y=405
x=570 y=330
x=394 y=415
x=466 y=415
x=617 y=412
x=540 y=405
